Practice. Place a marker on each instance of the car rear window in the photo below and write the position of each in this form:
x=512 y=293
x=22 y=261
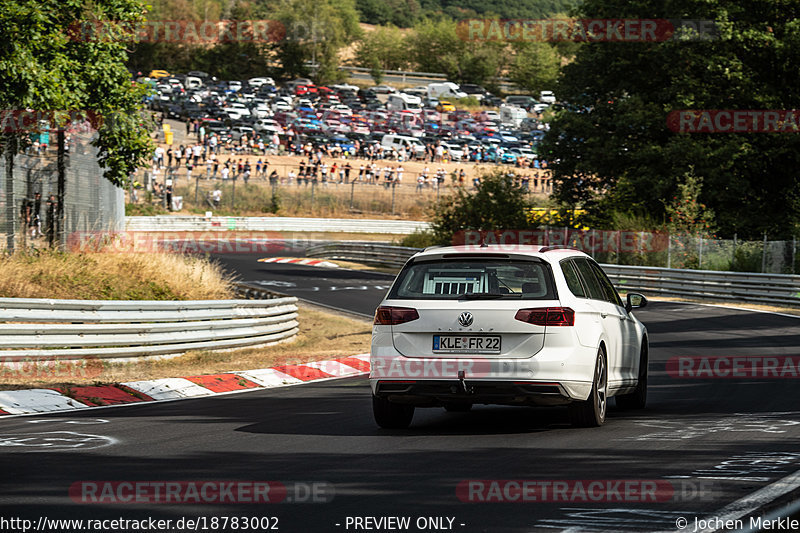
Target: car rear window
x=474 y=278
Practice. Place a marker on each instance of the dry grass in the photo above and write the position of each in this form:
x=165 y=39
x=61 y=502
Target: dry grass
x=322 y=336
x=112 y=276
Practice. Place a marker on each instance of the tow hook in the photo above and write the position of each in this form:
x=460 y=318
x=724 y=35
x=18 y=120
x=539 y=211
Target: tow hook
x=464 y=387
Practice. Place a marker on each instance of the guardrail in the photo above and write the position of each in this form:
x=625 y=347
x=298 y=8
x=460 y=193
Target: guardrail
x=44 y=329
x=363 y=252
x=200 y=223
x=770 y=289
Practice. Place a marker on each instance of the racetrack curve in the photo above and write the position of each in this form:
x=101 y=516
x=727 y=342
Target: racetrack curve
x=715 y=441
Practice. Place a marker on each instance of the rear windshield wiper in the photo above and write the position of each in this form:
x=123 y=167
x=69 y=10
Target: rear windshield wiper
x=486 y=296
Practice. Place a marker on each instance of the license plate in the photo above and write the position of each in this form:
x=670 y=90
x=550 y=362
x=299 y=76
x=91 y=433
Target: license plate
x=466 y=343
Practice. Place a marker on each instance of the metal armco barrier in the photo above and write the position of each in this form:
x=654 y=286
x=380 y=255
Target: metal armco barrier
x=369 y=253
x=43 y=329
x=199 y=223
x=769 y=289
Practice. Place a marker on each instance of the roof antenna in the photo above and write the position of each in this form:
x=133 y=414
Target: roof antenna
x=483 y=241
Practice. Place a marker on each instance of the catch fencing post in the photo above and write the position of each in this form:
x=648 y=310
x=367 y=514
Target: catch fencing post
x=669 y=250
x=700 y=253
x=764 y=254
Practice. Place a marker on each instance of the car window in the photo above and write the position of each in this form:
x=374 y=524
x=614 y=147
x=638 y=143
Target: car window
x=590 y=280
x=453 y=279
x=572 y=278
x=608 y=287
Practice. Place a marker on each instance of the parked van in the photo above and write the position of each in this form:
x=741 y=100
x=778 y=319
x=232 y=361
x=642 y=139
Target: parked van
x=404 y=102
x=398 y=142
x=547 y=97
x=192 y=82
x=512 y=115
x=445 y=89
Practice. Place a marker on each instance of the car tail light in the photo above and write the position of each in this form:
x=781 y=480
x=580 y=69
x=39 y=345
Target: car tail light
x=547 y=316
x=392 y=316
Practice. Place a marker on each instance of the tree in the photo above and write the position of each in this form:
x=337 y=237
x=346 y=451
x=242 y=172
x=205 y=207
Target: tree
x=612 y=150
x=437 y=46
x=383 y=48
x=315 y=32
x=47 y=66
x=496 y=203
x=535 y=66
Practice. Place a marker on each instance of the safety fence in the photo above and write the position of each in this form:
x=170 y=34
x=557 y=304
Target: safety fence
x=44 y=329
x=29 y=193
x=770 y=289
x=363 y=252
x=169 y=223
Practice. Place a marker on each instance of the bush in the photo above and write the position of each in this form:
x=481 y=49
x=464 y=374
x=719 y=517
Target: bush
x=496 y=203
x=419 y=239
x=145 y=210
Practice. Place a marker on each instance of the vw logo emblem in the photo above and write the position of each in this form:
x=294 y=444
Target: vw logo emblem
x=465 y=319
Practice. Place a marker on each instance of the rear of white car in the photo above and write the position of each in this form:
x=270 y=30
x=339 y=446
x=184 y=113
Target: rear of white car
x=463 y=326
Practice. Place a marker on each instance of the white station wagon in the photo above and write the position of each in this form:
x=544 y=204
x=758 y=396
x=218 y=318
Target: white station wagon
x=522 y=325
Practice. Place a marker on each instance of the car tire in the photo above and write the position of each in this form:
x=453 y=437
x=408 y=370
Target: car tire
x=638 y=398
x=592 y=411
x=390 y=415
x=457 y=407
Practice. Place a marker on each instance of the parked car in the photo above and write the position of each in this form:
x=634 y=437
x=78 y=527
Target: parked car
x=383 y=89
x=445 y=107
x=490 y=324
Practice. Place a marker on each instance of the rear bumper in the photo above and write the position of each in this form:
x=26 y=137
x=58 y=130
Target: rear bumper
x=553 y=376
x=431 y=393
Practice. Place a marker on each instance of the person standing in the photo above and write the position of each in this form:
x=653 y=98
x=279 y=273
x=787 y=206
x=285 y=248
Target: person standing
x=347 y=169
x=246 y=175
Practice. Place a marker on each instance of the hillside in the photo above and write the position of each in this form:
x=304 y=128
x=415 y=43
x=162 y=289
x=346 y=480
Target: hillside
x=403 y=13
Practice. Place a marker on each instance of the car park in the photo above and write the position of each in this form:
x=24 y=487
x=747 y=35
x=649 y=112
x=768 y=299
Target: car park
x=508 y=325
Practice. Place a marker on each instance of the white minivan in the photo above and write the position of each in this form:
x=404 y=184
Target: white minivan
x=404 y=102
x=398 y=142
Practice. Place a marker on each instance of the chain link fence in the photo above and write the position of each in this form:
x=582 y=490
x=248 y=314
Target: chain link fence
x=688 y=251
x=29 y=194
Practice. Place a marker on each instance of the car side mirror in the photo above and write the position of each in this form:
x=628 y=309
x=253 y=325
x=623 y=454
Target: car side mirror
x=635 y=300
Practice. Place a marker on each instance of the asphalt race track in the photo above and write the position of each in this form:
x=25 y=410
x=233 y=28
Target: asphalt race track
x=712 y=446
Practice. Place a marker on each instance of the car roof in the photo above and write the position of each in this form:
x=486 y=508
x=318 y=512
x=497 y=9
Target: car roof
x=547 y=253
